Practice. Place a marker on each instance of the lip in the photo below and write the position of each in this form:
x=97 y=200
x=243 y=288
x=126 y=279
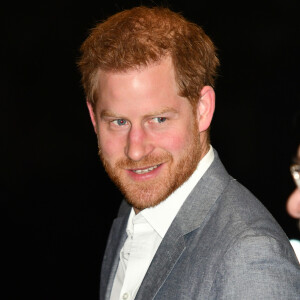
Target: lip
x=146 y=176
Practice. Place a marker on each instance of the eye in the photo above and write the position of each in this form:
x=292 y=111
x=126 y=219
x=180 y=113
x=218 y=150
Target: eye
x=159 y=119
x=119 y=122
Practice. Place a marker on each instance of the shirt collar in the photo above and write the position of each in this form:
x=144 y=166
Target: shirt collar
x=162 y=215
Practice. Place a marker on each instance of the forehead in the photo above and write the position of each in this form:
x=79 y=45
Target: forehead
x=153 y=84
x=161 y=72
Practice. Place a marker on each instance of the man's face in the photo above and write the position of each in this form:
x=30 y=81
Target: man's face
x=148 y=135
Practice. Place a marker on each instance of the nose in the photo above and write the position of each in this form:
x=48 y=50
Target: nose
x=138 y=144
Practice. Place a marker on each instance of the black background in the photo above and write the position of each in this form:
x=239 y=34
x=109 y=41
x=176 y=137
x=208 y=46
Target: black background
x=57 y=203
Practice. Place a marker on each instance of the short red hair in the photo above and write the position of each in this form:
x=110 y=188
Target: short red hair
x=141 y=36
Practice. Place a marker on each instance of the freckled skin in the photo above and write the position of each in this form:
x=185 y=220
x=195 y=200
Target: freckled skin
x=141 y=121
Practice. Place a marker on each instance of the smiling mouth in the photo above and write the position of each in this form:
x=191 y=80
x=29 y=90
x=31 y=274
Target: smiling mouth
x=147 y=170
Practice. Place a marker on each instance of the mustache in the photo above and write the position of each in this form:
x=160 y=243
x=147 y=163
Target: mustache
x=148 y=161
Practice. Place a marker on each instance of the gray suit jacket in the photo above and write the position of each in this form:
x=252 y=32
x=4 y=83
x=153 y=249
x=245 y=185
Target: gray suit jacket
x=223 y=244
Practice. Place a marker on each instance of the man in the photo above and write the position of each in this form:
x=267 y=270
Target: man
x=293 y=202
x=190 y=230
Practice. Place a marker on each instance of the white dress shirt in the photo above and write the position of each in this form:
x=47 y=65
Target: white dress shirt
x=145 y=232
x=296 y=247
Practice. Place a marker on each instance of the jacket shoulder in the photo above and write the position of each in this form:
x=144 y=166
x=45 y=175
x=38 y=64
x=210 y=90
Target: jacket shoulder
x=257 y=260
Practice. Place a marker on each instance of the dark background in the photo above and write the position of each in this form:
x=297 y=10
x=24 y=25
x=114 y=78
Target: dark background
x=57 y=203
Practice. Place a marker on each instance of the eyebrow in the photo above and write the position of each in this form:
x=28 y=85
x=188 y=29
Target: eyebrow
x=107 y=113
x=110 y=114
x=161 y=112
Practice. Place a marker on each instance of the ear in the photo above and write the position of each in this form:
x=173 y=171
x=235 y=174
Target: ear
x=92 y=115
x=205 y=108
x=293 y=204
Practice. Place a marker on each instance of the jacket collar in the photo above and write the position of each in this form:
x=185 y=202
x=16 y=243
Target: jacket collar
x=192 y=215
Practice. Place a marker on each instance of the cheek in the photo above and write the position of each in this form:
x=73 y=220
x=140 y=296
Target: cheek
x=112 y=147
x=175 y=143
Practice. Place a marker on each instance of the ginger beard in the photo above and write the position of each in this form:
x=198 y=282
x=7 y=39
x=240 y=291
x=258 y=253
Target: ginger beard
x=151 y=192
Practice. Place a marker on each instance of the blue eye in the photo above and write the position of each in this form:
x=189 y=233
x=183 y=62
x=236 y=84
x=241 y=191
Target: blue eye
x=120 y=122
x=159 y=119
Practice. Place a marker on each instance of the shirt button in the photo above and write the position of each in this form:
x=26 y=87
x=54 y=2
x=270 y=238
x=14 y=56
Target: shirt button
x=125 y=296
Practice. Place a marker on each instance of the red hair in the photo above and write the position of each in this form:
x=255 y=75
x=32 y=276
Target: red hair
x=141 y=36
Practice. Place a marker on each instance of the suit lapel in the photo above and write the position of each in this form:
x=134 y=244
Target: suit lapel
x=111 y=259
x=163 y=262
x=192 y=215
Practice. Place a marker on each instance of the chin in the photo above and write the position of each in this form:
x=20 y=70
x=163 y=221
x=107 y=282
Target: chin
x=145 y=200
x=142 y=196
